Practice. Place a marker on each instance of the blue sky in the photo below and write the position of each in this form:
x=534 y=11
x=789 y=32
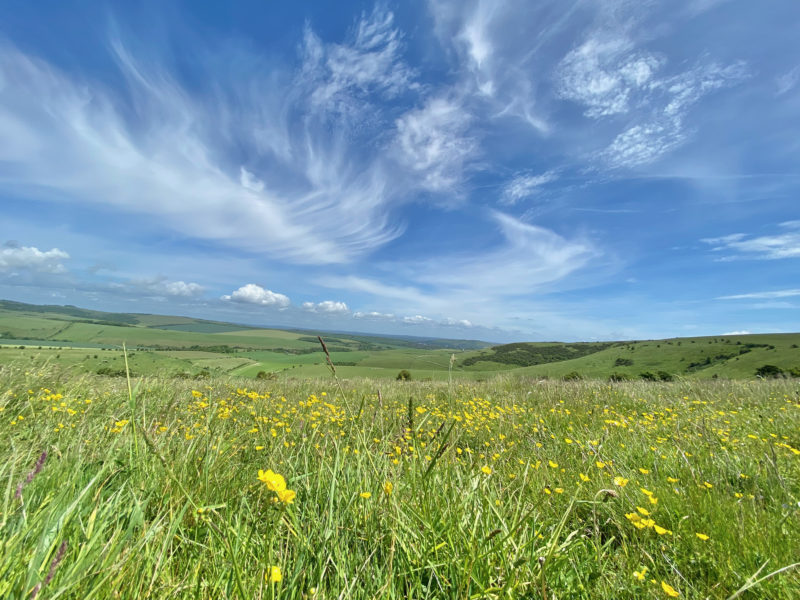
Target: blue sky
x=492 y=170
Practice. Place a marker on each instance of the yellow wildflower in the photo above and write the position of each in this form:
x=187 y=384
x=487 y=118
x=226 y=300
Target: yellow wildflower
x=274 y=482
x=669 y=590
x=286 y=496
x=274 y=575
x=661 y=530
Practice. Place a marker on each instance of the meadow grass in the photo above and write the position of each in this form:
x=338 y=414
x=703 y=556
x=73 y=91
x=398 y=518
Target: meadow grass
x=505 y=489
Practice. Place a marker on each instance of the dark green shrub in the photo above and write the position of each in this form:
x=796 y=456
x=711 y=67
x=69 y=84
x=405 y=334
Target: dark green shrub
x=404 y=375
x=769 y=372
x=619 y=377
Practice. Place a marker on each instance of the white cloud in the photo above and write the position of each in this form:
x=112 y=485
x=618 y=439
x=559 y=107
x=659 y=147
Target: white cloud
x=319 y=194
x=787 y=81
x=604 y=73
x=31 y=258
x=432 y=142
x=457 y=322
x=370 y=61
x=373 y=315
x=326 y=306
x=409 y=294
x=525 y=185
x=160 y=285
x=742 y=332
x=530 y=257
x=662 y=126
x=766 y=247
x=762 y=295
x=497 y=52
x=417 y=319
x=529 y=260
x=250 y=181
x=642 y=144
x=255 y=294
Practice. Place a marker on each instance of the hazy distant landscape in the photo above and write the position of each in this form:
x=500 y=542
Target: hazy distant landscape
x=90 y=342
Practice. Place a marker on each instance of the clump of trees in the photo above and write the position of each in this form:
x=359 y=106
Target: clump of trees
x=775 y=372
x=659 y=376
x=623 y=362
x=404 y=375
x=523 y=354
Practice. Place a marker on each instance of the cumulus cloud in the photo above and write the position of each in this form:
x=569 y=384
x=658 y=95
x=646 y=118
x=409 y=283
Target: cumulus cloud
x=163 y=287
x=16 y=257
x=255 y=294
x=417 y=319
x=765 y=247
x=326 y=306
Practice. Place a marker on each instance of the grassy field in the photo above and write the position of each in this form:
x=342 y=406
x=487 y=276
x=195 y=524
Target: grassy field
x=513 y=488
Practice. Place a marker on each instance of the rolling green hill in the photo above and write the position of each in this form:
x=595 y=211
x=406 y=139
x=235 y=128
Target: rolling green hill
x=91 y=341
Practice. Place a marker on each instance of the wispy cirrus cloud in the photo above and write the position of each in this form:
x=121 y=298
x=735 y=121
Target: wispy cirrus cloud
x=369 y=62
x=606 y=74
x=525 y=185
x=664 y=127
x=762 y=295
x=163 y=151
x=529 y=259
x=432 y=141
x=764 y=247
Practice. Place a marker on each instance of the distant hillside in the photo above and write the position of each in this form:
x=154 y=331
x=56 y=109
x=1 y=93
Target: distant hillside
x=90 y=341
x=738 y=356
x=19 y=320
